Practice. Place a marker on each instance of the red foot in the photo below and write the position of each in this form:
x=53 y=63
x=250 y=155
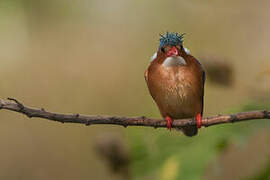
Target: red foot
x=169 y=122
x=199 y=120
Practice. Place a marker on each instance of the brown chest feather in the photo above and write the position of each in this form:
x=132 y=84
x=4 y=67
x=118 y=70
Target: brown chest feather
x=177 y=90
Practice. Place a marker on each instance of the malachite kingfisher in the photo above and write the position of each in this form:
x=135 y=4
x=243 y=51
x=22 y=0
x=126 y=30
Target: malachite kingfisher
x=176 y=80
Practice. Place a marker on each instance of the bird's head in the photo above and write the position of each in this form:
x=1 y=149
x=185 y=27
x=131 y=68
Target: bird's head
x=170 y=47
x=171 y=44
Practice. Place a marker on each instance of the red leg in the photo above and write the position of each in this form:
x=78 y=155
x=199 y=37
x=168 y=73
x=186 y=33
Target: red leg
x=199 y=120
x=169 y=122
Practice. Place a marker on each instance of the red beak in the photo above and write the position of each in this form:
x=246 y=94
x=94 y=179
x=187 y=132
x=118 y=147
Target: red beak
x=172 y=52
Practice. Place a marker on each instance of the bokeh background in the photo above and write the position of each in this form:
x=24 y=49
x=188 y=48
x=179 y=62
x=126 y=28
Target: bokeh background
x=89 y=57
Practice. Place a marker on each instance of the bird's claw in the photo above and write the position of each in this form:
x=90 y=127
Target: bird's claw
x=169 y=122
x=199 y=120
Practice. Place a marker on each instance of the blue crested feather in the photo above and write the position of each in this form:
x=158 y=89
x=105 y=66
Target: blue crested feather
x=171 y=39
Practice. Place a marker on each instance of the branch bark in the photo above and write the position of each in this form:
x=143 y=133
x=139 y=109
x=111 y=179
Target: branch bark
x=14 y=105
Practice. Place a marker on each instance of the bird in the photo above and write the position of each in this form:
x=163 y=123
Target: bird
x=175 y=80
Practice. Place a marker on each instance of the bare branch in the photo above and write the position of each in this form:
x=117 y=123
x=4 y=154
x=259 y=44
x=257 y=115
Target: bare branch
x=14 y=105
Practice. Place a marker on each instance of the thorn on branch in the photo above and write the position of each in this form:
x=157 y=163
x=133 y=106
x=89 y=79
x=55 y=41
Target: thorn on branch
x=20 y=105
x=28 y=115
x=265 y=114
x=87 y=123
x=76 y=116
x=62 y=121
x=233 y=118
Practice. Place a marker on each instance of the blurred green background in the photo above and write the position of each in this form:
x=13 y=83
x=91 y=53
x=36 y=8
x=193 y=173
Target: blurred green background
x=89 y=57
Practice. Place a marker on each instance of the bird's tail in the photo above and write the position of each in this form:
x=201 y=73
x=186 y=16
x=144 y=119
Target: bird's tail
x=189 y=130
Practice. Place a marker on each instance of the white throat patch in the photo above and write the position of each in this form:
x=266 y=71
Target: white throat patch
x=153 y=57
x=187 y=50
x=174 y=61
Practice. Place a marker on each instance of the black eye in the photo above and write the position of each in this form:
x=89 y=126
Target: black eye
x=162 y=49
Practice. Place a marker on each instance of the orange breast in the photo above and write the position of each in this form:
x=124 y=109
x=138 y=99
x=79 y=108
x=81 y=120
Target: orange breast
x=177 y=90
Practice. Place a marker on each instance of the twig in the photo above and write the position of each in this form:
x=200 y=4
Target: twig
x=14 y=105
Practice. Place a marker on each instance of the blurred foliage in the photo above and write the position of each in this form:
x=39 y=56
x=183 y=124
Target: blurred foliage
x=263 y=174
x=193 y=154
x=170 y=168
